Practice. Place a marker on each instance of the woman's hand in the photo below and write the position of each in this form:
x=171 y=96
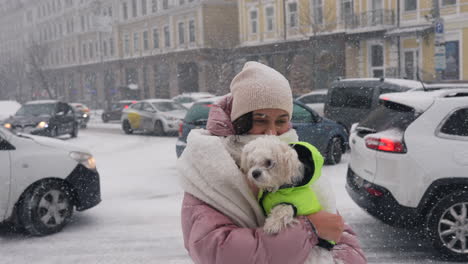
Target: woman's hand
x=328 y=226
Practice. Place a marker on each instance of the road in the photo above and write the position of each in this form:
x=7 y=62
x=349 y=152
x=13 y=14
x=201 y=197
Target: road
x=138 y=220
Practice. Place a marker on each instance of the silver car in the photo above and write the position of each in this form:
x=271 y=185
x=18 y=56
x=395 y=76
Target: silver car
x=158 y=116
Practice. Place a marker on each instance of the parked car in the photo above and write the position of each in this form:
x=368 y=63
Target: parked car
x=187 y=99
x=82 y=114
x=329 y=137
x=160 y=116
x=315 y=100
x=38 y=197
x=8 y=108
x=350 y=100
x=409 y=165
x=114 y=113
x=44 y=117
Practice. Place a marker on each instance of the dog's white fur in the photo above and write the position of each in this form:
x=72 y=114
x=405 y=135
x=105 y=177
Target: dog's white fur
x=270 y=163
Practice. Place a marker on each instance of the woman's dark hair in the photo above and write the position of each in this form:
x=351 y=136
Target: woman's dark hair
x=243 y=124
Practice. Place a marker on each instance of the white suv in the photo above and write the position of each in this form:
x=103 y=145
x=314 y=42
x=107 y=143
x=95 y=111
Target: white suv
x=42 y=179
x=409 y=165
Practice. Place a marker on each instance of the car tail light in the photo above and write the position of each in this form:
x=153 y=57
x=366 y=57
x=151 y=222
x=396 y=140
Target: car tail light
x=385 y=144
x=374 y=192
x=126 y=107
x=181 y=127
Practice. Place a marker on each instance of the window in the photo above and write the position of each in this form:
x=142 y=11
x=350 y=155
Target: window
x=301 y=115
x=136 y=41
x=411 y=64
x=126 y=43
x=181 y=33
x=352 y=97
x=104 y=47
x=134 y=8
x=111 y=46
x=192 y=31
x=84 y=51
x=145 y=40
x=109 y=11
x=410 y=5
x=143 y=7
x=167 y=37
x=73 y=54
x=449 y=2
x=389 y=116
x=270 y=18
x=155 y=38
x=83 y=26
x=318 y=11
x=377 y=61
x=90 y=50
x=253 y=22
x=154 y=6
x=457 y=124
x=125 y=11
x=181 y=2
x=452 y=61
x=165 y=4
x=292 y=9
x=314 y=99
x=346 y=11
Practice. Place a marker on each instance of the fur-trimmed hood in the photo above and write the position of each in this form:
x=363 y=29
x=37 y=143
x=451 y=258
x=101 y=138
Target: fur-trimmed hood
x=208 y=171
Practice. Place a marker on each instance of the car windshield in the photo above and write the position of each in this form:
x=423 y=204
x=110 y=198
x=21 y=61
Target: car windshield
x=167 y=106
x=198 y=113
x=36 y=110
x=351 y=97
x=388 y=115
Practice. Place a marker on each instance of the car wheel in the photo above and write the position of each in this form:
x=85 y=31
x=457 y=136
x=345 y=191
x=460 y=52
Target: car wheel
x=105 y=118
x=74 y=132
x=158 y=128
x=334 y=151
x=45 y=208
x=126 y=127
x=447 y=226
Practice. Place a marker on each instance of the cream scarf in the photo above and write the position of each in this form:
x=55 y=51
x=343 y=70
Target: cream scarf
x=208 y=171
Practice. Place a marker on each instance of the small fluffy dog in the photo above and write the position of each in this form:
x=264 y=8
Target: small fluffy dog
x=272 y=164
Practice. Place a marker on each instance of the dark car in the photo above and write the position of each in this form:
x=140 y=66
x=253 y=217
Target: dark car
x=114 y=113
x=350 y=100
x=329 y=137
x=45 y=118
x=82 y=114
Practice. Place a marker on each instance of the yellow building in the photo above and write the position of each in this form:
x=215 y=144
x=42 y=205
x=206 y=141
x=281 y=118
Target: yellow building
x=390 y=38
x=407 y=46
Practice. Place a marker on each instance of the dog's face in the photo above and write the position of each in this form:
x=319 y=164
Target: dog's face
x=270 y=163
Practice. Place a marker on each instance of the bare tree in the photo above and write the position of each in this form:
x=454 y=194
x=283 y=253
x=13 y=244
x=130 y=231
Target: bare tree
x=36 y=54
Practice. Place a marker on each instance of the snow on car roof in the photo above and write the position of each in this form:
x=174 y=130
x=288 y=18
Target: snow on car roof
x=320 y=91
x=446 y=85
x=400 y=82
x=154 y=100
x=420 y=100
x=8 y=108
x=195 y=95
x=42 y=102
x=210 y=100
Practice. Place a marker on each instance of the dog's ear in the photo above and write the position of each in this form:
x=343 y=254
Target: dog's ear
x=244 y=163
x=291 y=166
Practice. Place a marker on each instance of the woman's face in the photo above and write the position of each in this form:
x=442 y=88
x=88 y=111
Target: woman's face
x=269 y=122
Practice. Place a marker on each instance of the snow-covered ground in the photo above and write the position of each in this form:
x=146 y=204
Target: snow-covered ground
x=138 y=219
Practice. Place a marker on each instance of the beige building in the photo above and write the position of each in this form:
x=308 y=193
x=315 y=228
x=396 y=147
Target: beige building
x=94 y=50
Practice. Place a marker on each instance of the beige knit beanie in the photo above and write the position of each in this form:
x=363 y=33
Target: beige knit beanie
x=258 y=86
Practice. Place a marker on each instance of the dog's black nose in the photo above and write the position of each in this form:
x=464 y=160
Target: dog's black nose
x=256 y=173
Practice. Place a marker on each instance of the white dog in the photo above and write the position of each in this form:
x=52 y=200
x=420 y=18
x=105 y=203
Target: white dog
x=272 y=164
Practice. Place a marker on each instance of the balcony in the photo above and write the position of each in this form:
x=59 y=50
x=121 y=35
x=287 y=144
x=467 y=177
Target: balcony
x=369 y=20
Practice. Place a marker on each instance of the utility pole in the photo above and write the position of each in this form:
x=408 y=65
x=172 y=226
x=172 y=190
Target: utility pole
x=439 y=41
x=285 y=21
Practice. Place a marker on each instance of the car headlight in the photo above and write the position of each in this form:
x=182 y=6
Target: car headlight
x=42 y=124
x=84 y=159
x=85 y=115
x=171 y=118
x=7 y=125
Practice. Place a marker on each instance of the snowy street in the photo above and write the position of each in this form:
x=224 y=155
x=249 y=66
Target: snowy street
x=138 y=219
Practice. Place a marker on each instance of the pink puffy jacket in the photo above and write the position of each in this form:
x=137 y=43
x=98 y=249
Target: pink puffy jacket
x=211 y=237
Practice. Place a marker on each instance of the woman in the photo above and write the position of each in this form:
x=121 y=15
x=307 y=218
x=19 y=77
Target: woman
x=221 y=218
